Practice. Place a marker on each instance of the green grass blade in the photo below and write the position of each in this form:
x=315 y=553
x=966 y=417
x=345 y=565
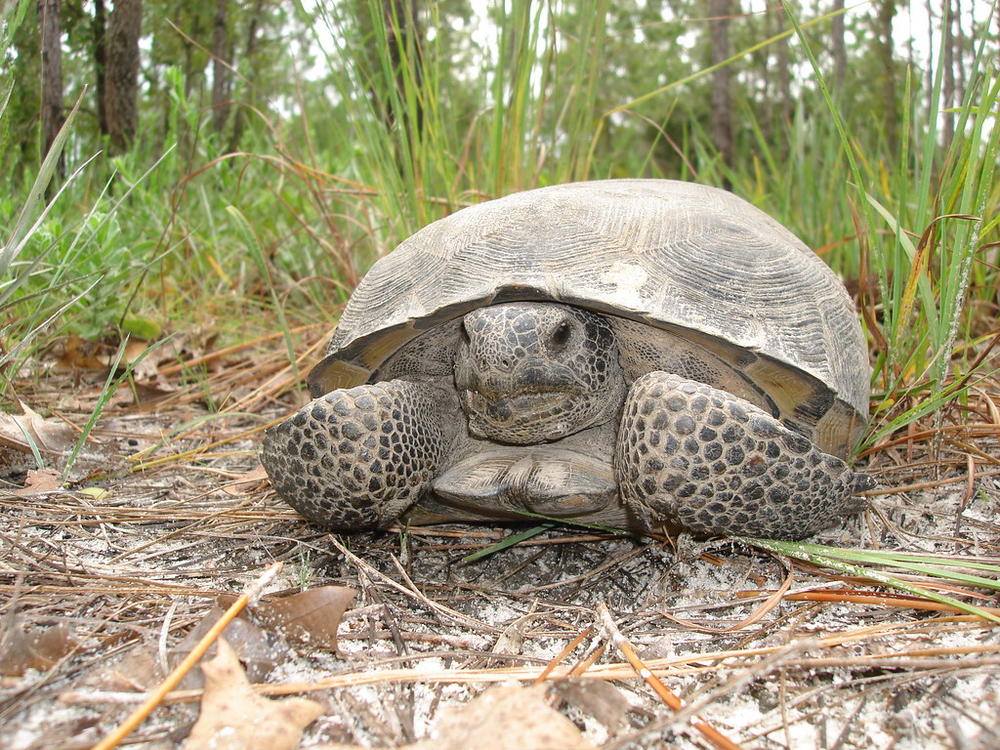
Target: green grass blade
x=802 y=552
x=508 y=541
x=892 y=558
x=111 y=384
x=25 y=219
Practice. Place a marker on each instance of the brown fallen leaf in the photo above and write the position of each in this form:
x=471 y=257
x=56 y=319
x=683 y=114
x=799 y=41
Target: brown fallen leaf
x=139 y=669
x=238 y=486
x=233 y=717
x=148 y=393
x=39 y=649
x=77 y=354
x=19 y=431
x=600 y=699
x=258 y=650
x=40 y=480
x=310 y=617
x=502 y=718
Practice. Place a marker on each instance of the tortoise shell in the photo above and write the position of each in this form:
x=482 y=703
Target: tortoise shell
x=677 y=266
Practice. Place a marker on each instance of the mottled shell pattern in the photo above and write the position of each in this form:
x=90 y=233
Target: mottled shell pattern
x=681 y=269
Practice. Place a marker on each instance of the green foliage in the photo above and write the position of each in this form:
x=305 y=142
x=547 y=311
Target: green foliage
x=21 y=270
x=924 y=280
x=354 y=123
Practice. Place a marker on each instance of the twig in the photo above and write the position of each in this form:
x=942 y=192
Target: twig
x=563 y=654
x=171 y=680
x=413 y=592
x=712 y=734
x=774 y=598
x=194 y=362
x=731 y=686
x=854 y=597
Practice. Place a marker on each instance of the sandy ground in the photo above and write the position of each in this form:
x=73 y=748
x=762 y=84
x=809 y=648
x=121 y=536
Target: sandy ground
x=128 y=573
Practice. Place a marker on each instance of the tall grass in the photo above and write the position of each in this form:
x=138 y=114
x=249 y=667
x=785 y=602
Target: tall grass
x=923 y=225
x=40 y=297
x=913 y=227
x=289 y=223
x=534 y=109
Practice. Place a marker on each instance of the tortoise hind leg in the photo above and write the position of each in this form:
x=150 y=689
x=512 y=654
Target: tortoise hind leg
x=696 y=456
x=357 y=458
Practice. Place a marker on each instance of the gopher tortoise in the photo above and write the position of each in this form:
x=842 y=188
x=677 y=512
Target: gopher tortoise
x=632 y=353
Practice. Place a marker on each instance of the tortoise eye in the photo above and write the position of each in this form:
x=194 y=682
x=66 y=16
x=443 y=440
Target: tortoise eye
x=561 y=334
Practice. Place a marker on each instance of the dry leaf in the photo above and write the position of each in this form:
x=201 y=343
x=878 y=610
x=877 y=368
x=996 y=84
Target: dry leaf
x=134 y=349
x=600 y=699
x=150 y=392
x=40 y=649
x=78 y=354
x=258 y=650
x=236 y=487
x=137 y=670
x=40 y=480
x=311 y=617
x=233 y=717
x=18 y=431
x=506 y=717
x=95 y=493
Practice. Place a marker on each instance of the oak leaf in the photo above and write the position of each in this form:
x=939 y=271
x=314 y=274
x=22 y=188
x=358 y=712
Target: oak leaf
x=310 y=617
x=40 y=648
x=505 y=717
x=234 y=717
x=40 y=480
x=21 y=431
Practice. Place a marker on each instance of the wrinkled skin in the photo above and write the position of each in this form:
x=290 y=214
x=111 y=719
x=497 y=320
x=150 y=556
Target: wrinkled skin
x=528 y=373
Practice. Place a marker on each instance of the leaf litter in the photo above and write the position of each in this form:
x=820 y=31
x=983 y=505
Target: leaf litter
x=125 y=581
x=234 y=717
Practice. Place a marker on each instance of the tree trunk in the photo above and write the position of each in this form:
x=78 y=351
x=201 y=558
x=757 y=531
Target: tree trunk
x=122 y=74
x=221 y=67
x=886 y=12
x=249 y=53
x=99 y=30
x=838 y=48
x=52 y=80
x=722 y=107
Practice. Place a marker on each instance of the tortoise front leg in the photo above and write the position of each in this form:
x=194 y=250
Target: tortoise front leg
x=358 y=458
x=693 y=455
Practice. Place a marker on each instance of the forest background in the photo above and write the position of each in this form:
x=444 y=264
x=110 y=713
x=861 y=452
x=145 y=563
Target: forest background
x=234 y=167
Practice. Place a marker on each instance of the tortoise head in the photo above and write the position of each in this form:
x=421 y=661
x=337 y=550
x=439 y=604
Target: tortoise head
x=529 y=372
